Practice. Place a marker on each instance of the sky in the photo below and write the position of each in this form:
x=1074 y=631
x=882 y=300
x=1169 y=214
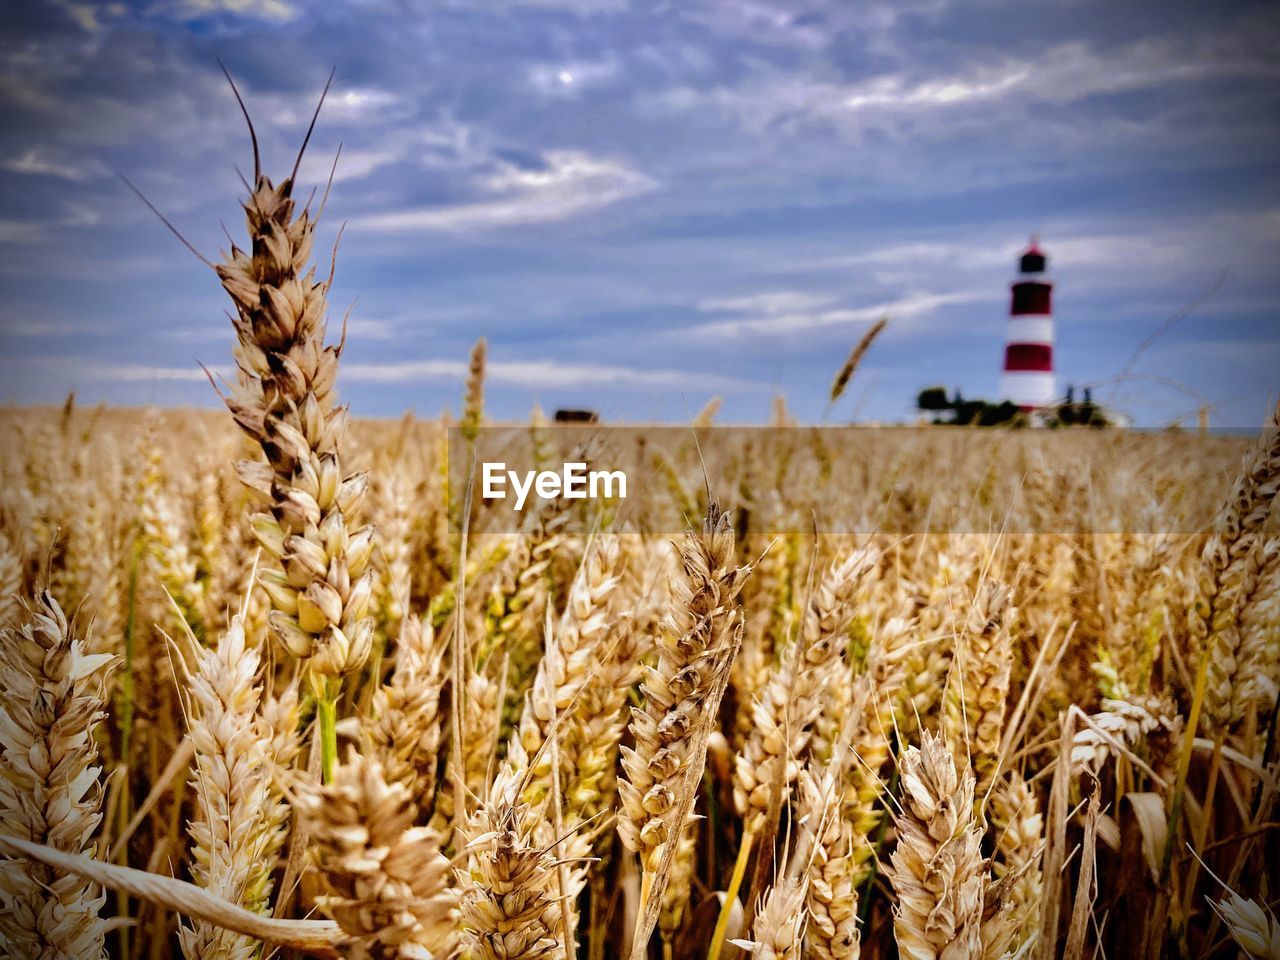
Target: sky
x=644 y=204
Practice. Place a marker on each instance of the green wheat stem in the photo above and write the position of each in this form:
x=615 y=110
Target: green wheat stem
x=731 y=895
x=327 y=715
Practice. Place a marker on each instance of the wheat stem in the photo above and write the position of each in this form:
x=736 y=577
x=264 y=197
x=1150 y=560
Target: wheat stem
x=731 y=894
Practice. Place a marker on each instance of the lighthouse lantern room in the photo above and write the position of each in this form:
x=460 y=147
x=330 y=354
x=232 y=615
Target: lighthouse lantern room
x=1028 y=353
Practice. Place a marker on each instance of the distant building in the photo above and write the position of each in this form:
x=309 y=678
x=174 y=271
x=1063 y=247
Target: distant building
x=1027 y=380
x=577 y=416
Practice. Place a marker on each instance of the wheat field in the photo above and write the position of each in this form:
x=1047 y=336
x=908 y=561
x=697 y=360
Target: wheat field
x=273 y=684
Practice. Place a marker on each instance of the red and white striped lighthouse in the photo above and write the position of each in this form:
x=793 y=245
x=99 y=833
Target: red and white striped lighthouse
x=1028 y=353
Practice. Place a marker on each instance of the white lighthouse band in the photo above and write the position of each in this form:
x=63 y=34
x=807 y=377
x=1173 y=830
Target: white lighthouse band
x=1027 y=388
x=1030 y=330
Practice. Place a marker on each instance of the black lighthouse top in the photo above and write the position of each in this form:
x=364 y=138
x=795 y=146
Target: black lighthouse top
x=1032 y=291
x=1033 y=259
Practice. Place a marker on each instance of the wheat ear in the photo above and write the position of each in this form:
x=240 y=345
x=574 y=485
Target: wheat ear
x=473 y=402
x=511 y=907
x=10 y=581
x=845 y=373
x=861 y=781
x=384 y=880
x=1213 y=632
x=779 y=927
x=51 y=701
x=823 y=689
x=319 y=582
x=598 y=722
x=936 y=868
x=394 y=578
x=1253 y=927
x=793 y=699
x=1259 y=653
x=568 y=664
x=1016 y=816
x=406 y=728
x=696 y=639
x=978 y=684
x=237 y=830
x=832 y=901
x=170 y=561
x=469 y=766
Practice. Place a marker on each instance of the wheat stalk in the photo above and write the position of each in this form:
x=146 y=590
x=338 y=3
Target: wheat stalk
x=598 y=722
x=394 y=580
x=1120 y=724
x=861 y=780
x=171 y=563
x=319 y=938
x=796 y=694
x=517 y=602
x=1225 y=565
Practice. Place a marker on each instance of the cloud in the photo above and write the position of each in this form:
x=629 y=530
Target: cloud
x=970 y=253
x=570 y=183
x=531 y=374
x=771 y=303
x=536 y=374
x=136 y=373
x=22 y=231
x=439 y=144
x=345 y=106
x=364 y=328
x=918 y=101
x=279 y=10
x=583 y=8
x=570 y=78
x=910 y=307
x=35 y=163
x=358 y=329
x=351 y=165
x=771 y=23
x=51 y=328
x=1118 y=259
x=206 y=334
x=893 y=92
x=39 y=231
x=85 y=15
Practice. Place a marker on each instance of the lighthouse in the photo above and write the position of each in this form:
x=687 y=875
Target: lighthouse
x=1028 y=353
